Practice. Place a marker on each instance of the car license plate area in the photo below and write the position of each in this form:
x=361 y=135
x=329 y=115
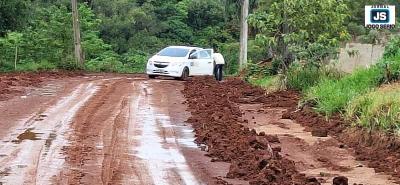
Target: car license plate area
x=159 y=70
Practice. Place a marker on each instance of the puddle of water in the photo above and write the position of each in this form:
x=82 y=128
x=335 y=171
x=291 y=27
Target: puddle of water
x=27 y=135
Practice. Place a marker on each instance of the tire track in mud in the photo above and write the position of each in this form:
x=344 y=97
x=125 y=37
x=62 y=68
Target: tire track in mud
x=159 y=148
x=122 y=136
x=108 y=130
x=31 y=152
x=113 y=162
x=95 y=150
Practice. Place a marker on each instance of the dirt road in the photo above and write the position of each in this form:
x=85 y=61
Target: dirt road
x=102 y=130
x=126 y=129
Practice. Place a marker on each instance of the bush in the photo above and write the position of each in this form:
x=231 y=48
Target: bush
x=107 y=62
x=377 y=110
x=231 y=55
x=33 y=66
x=269 y=83
x=332 y=95
x=257 y=70
x=301 y=78
x=393 y=48
x=134 y=62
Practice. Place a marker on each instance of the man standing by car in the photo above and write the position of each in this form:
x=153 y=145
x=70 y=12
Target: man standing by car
x=219 y=64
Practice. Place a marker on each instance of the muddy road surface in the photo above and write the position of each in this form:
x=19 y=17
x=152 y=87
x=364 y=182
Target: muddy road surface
x=102 y=130
x=127 y=129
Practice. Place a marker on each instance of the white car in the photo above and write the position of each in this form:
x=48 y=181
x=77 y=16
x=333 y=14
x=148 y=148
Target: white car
x=181 y=62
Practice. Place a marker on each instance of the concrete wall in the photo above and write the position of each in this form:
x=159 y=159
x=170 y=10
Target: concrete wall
x=356 y=55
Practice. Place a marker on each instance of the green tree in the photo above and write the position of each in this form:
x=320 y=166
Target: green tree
x=301 y=29
x=13 y=15
x=202 y=14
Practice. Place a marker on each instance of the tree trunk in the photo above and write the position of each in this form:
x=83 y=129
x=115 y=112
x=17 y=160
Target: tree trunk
x=244 y=35
x=79 y=57
x=16 y=58
x=283 y=49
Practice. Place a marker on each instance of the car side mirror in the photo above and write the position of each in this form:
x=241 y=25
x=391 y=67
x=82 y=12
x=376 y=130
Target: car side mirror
x=193 y=57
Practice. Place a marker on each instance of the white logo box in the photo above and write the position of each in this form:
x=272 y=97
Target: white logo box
x=380 y=16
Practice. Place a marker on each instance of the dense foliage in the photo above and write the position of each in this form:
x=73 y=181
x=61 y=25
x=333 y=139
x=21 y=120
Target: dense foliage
x=117 y=36
x=299 y=29
x=120 y=35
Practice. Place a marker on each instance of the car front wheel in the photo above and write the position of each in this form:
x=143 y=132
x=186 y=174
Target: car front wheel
x=185 y=74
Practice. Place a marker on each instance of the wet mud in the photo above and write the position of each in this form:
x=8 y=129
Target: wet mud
x=14 y=84
x=237 y=121
x=103 y=130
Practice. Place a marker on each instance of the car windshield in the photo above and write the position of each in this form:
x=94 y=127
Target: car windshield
x=173 y=52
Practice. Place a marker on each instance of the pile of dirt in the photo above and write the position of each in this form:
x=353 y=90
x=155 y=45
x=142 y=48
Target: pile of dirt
x=216 y=120
x=12 y=84
x=379 y=150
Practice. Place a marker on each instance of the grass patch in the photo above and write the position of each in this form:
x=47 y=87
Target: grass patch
x=269 y=83
x=378 y=109
x=301 y=78
x=30 y=66
x=332 y=95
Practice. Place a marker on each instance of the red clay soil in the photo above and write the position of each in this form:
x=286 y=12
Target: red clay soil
x=12 y=84
x=216 y=120
x=380 y=151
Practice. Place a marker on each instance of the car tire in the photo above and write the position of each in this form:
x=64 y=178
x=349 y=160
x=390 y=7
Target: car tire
x=152 y=76
x=185 y=74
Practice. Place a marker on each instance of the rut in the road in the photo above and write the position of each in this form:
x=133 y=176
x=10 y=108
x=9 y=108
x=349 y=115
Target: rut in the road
x=95 y=152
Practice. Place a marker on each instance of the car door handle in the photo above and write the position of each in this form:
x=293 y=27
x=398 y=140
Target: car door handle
x=209 y=62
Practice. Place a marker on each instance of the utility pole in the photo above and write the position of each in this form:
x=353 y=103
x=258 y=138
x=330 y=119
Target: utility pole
x=77 y=33
x=244 y=34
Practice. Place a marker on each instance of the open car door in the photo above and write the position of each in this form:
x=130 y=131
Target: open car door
x=202 y=62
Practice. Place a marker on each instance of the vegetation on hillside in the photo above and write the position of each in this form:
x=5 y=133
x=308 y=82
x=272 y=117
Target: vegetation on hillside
x=117 y=36
x=120 y=35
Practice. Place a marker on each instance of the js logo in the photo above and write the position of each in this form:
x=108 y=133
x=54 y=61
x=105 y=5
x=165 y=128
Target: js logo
x=380 y=16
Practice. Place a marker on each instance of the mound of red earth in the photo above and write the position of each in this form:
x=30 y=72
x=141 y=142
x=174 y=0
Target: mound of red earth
x=381 y=151
x=14 y=83
x=216 y=120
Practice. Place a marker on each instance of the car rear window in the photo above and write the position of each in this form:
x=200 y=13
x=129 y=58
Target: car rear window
x=174 y=52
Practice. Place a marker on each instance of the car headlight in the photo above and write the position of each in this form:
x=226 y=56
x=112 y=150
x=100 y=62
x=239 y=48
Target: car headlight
x=150 y=62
